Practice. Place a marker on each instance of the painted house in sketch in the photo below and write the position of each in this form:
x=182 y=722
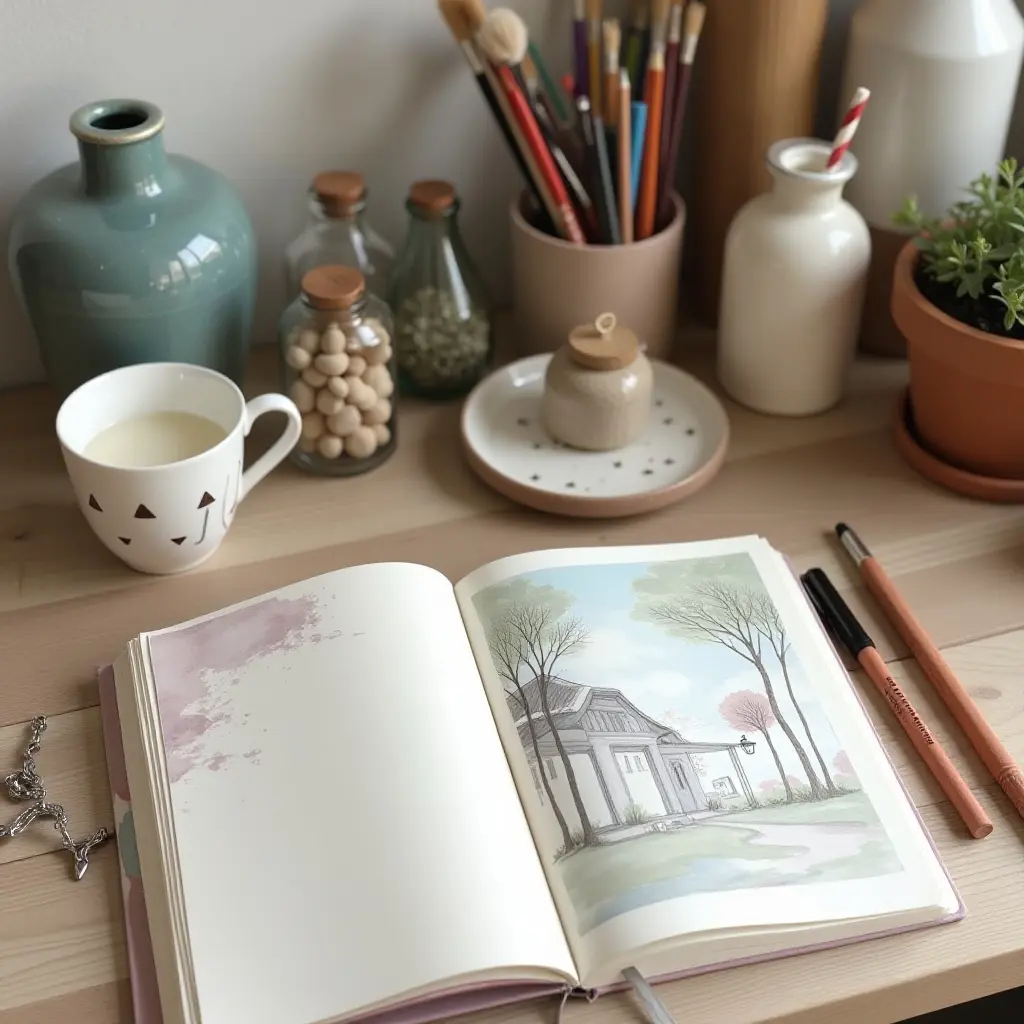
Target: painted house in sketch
x=622 y=758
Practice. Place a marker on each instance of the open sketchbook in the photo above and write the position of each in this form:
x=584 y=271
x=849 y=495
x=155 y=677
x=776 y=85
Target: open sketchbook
x=376 y=794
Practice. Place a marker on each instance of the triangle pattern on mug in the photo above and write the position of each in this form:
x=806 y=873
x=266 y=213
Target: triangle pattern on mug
x=143 y=513
x=93 y=503
x=206 y=499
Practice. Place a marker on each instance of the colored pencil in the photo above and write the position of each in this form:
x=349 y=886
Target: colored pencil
x=612 y=39
x=625 y=189
x=594 y=19
x=633 y=46
x=580 y=50
x=1001 y=766
x=654 y=95
x=675 y=35
x=638 y=135
x=693 y=24
x=836 y=615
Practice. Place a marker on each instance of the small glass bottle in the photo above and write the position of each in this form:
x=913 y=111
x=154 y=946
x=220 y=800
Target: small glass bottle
x=339 y=369
x=443 y=337
x=338 y=234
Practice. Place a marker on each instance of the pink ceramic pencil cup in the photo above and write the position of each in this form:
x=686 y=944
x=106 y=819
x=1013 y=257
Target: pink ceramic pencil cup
x=557 y=285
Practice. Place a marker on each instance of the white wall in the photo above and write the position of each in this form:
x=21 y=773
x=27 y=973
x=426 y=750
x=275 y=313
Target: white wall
x=268 y=93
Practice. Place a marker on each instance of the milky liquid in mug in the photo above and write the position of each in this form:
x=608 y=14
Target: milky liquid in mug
x=154 y=439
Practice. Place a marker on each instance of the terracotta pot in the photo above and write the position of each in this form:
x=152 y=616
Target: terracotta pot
x=966 y=386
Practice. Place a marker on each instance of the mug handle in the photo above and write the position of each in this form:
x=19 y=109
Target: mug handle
x=280 y=448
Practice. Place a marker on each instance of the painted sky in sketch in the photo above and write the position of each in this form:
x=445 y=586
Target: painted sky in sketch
x=662 y=673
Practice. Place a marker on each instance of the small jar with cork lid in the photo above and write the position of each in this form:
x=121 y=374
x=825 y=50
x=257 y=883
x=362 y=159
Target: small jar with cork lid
x=442 y=313
x=598 y=388
x=339 y=369
x=338 y=232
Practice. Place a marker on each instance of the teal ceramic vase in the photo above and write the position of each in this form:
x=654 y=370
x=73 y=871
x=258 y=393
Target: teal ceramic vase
x=132 y=255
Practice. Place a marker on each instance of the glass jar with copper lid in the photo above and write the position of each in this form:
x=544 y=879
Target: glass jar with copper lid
x=442 y=315
x=338 y=233
x=339 y=369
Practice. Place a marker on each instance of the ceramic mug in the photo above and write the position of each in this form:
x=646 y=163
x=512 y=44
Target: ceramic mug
x=155 y=454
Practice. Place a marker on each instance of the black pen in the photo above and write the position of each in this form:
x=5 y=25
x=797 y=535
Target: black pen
x=842 y=623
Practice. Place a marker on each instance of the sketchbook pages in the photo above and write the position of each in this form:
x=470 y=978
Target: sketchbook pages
x=699 y=776
x=321 y=802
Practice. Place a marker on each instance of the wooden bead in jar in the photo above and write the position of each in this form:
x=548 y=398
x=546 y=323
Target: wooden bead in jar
x=598 y=388
x=340 y=372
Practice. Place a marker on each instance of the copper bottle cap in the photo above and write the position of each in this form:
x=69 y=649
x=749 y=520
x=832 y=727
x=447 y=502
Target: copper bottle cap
x=333 y=287
x=603 y=345
x=432 y=196
x=339 y=191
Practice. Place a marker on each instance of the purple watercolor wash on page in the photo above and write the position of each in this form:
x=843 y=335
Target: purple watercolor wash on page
x=184 y=661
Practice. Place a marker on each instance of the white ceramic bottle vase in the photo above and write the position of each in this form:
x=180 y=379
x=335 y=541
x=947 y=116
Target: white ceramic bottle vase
x=795 y=266
x=943 y=79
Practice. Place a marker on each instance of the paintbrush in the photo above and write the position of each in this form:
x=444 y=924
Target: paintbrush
x=675 y=35
x=503 y=38
x=633 y=47
x=467 y=16
x=594 y=18
x=580 y=51
x=612 y=39
x=551 y=87
x=693 y=24
x=654 y=95
x=456 y=14
x=563 y=148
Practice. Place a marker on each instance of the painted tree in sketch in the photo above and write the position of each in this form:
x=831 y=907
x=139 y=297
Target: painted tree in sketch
x=508 y=654
x=536 y=621
x=769 y=624
x=699 y=601
x=745 y=710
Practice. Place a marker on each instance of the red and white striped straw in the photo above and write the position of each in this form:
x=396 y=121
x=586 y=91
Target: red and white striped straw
x=848 y=127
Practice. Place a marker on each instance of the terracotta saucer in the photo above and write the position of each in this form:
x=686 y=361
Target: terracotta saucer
x=506 y=444
x=970 y=485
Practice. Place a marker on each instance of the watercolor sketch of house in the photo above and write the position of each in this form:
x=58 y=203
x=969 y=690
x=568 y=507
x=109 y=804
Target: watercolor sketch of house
x=629 y=768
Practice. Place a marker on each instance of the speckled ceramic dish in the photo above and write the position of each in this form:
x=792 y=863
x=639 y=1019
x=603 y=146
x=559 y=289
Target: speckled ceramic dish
x=506 y=444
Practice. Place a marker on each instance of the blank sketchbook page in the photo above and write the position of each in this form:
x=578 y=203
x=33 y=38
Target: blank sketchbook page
x=347 y=827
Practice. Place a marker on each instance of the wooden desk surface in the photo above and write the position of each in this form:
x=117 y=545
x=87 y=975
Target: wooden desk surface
x=66 y=606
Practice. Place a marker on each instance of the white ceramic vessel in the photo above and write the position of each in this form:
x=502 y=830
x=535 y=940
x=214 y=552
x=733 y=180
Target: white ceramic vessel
x=795 y=266
x=943 y=78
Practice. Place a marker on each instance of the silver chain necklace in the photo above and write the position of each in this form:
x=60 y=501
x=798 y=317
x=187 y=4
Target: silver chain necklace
x=27 y=784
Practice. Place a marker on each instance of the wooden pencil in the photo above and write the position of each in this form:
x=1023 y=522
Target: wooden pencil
x=612 y=39
x=625 y=135
x=997 y=759
x=654 y=94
